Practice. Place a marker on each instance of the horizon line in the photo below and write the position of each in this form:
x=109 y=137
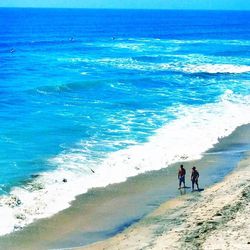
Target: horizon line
x=105 y=8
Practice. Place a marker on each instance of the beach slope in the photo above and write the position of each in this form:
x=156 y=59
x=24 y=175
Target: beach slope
x=217 y=218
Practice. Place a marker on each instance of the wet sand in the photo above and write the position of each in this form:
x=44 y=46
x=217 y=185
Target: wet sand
x=104 y=212
x=217 y=218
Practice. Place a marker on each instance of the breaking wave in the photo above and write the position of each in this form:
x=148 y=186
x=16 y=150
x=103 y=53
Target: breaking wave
x=194 y=131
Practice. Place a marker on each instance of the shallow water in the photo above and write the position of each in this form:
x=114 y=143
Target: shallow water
x=117 y=93
x=103 y=212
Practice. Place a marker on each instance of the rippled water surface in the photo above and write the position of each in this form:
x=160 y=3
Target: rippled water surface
x=83 y=91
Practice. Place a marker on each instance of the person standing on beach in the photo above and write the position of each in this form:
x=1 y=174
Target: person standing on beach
x=181 y=176
x=194 y=178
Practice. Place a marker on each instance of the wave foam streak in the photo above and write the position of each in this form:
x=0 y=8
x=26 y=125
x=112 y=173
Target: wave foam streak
x=217 y=68
x=195 y=130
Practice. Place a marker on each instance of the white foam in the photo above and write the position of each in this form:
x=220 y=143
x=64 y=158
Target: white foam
x=217 y=68
x=195 y=130
x=130 y=46
x=189 y=64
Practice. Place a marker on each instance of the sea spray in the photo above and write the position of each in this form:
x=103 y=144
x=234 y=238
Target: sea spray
x=106 y=96
x=195 y=130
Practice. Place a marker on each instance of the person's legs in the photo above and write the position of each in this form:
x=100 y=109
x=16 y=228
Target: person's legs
x=192 y=185
x=197 y=184
x=181 y=180
x=180 y=183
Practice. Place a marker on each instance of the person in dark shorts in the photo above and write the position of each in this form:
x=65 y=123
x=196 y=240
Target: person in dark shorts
x=181 y=176
x=194 y=178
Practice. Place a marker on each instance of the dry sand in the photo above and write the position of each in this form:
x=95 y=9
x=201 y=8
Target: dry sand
x=217 y=218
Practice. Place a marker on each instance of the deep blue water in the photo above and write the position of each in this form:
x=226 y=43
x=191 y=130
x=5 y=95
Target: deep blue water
x=76 y=75
x=97 y=81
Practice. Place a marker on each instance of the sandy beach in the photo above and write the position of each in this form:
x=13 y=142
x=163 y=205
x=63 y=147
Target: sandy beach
x=149 y=212
x=217 y=218
x=101 y=104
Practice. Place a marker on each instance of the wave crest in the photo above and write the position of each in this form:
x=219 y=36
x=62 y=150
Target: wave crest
x=217 y=69
x=180 y=140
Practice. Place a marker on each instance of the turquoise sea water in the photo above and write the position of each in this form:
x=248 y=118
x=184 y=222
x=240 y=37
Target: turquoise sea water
x=83 y=91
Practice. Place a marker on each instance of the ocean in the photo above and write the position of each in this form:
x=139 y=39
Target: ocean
x=91 y=97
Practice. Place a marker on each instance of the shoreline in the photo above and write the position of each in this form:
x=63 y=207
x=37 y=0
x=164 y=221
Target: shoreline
x=180 y=140
x=105 y=212
x=215 y=219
